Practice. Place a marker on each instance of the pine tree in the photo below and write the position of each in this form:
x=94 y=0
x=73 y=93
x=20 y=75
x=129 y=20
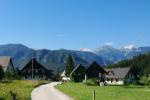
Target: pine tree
x=1 y=73
x=69 y=65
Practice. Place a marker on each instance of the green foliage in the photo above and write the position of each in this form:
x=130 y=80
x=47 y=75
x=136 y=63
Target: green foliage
x=12 y=74
x=9 y=75
x=126 y=82
x=57 y=76
x=140 y=64
x=148 y=79
x=144 y=80
x=1 y=73
x=69 y=65
x=16 y=74
x=93 y=81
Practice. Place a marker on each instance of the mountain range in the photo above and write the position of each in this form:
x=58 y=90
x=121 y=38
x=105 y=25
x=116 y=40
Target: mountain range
x=115 y=55
x=54 y=59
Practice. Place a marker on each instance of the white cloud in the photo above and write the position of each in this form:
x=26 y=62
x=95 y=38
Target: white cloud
x=130 y=47
x=109 y=44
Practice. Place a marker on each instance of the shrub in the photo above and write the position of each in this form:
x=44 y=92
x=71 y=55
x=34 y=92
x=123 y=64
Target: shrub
x=10 y=75
x=93 y=81
x=126 y=82
x=143 y=80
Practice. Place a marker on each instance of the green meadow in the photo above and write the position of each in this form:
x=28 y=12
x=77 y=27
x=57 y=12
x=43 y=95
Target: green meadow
x=23 y=88
x=80 y=91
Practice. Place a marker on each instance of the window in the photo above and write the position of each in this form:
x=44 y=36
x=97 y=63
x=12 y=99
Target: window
x=111 y=80
x=117 y=80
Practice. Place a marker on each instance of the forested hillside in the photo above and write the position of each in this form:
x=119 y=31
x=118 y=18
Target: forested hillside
x=139 y=64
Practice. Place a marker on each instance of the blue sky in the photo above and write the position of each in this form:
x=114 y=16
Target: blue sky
x=74 y=24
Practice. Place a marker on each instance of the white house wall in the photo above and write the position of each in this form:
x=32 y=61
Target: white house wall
x=119 y=82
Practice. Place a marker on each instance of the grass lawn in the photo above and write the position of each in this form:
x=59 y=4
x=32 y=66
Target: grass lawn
x=80 y=91
x=22 y=87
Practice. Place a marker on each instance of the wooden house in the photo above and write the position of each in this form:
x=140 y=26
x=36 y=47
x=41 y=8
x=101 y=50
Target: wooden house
x=35 y=70
x=117 y=76
x=7 y=64
x=95 y=71
x=78 y=73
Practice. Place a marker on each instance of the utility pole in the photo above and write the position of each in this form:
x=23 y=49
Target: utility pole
x=94 y=95
x=32 y=66
x=85 y=79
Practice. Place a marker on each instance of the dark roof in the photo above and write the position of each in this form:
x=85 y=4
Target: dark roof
x=118 y=72
x=35 y=62
x=4 y=61
x=95 y=66
x=80 y=65
x=94 y=70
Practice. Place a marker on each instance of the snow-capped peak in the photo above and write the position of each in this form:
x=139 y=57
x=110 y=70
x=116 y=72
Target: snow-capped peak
x=129 y=47
x=86 y=50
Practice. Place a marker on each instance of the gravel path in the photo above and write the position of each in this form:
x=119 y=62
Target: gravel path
x=48 y=92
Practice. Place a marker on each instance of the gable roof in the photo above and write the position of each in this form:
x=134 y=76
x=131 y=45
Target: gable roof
x=80 y=65
x=4 y=61
x=118 y=72
x=95 y=66
x=94 y=70
x=34 y=62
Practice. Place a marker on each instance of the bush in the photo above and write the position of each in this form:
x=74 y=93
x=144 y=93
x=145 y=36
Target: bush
x=143 y=80
x=126 y=82
x=10 y=75
x=93 y=81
